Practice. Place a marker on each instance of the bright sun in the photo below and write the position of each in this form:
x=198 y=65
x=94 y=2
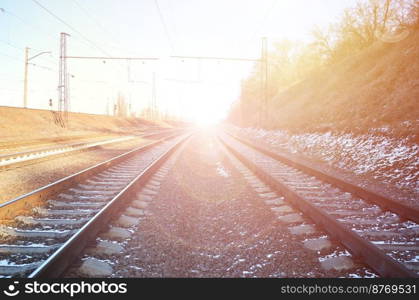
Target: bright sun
x=209 y=107
x=208 y=116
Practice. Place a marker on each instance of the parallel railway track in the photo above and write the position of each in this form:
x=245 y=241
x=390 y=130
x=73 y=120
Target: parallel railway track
x=44 y=230
x=379 y=231
x=17 y=159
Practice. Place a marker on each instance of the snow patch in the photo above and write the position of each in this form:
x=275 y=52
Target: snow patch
x=389 y=160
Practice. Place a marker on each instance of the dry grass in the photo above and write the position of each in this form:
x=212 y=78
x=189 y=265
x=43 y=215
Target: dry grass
x=376 y=89
x=24 y=124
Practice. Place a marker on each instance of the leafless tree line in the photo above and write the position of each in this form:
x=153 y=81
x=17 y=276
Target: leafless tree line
x=363 y=25
x=358 y=28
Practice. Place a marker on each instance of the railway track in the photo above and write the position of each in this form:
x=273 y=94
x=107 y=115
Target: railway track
x=47 y=141
x=378 y=231
x=7 y=145
x=13 y=160
x=44 y=230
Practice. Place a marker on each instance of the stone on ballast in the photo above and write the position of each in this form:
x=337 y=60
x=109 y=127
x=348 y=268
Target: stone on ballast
x=93 y=267
x=139 y=204
x=154 y=182
x=291 y=218
x=127 y=221
x=143 y=197
x=106 y=248
x=116 y=233
x=268 y=195
x=282 y=209
x=317 y=244
x=262 y=189
x=277 y=201
x=134 y=212
x=302 y=229
x=338 y=263
x=147 y=191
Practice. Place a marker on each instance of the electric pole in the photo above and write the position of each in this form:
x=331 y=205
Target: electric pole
x=265 y=87
x=25 y=80
x=154 y=99
x=263 y=104
x=263 y=75
x=63 y=78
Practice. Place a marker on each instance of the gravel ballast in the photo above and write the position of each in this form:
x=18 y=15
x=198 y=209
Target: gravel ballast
x=24 y=179
x=206 y=221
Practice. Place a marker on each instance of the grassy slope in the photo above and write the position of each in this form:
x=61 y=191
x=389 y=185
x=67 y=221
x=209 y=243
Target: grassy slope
x=21 y=124
x=378 y=88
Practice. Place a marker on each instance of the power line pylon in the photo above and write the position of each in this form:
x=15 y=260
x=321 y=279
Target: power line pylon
x=63 y=99
x=154 y=112
x=264 y=78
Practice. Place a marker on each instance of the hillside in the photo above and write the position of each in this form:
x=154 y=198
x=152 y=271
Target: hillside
x=375 y=91
x=24 y=124
x=359 y=118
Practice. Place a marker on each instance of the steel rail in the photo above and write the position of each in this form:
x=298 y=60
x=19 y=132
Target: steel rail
x=53 y=152
x=409 y=213
x=64 y=150
x=58 y=262
x=22 y=204
x=359 y=247
x=24 y=143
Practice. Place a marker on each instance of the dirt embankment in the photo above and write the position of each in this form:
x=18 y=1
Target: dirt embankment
x=361 y=116
x=375 y=91
x=17 y=124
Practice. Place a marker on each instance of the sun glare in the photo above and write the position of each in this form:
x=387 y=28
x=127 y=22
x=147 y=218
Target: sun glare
x=206 y=121
x=207 y=116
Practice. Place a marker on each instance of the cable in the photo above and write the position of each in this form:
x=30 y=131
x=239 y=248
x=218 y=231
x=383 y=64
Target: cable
x=26 y=23
x=173 y=19
x=166 y=31
x=23 y=49
x=43 y=67
x=11 y=45
x=12 y=57
x=91 y=16
x=20 y=47
x=74 y=29
x=69 y=26
x=266 y=16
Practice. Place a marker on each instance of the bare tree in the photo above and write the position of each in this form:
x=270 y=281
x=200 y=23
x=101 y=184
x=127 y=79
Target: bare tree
x=360 y=27
x=121 y=106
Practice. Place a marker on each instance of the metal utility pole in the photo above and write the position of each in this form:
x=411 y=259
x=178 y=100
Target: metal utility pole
x=154 y=99
x=263 y=110
x=64 y=57
x=63 y=78
x=264 y=74
x=25 y=81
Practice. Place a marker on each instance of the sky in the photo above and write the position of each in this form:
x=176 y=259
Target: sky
x=200 y=90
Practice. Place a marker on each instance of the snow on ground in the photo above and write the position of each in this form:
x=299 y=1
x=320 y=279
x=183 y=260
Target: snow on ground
x=388 y=160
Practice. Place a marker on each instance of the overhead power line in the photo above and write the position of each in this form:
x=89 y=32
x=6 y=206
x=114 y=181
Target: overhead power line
x=43 y=67
x=23 y=21
x=166 y=31
x=94 y=18
x=264 y=20
x=113 y=58
x=11 y=57
x=87 y=13
x=217 y=58
x=90 y=42
x=69 y=26
x=11 y=45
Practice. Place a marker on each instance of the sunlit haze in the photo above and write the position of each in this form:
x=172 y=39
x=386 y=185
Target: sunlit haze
x=209 y=139
x=197 y=90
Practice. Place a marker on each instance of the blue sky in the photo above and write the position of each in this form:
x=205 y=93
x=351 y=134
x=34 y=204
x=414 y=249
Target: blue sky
x=134 y=28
